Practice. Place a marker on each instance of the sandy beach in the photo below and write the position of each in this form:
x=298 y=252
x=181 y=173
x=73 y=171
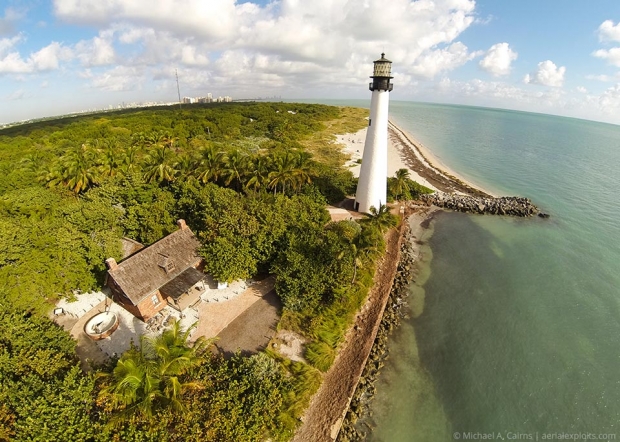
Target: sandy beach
x=404 y=151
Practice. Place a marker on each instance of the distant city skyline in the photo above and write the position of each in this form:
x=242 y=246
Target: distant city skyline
x=557 y=57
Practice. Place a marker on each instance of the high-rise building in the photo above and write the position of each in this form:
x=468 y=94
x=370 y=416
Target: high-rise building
x=372 y=183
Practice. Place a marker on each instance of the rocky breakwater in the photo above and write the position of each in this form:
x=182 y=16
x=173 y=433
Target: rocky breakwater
x=505 y=205
x=351 y=429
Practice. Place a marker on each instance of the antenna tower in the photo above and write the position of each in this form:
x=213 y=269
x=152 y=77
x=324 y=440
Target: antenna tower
x=176 y=73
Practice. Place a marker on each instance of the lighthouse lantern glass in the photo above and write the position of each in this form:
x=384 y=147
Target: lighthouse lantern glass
x=382 y=69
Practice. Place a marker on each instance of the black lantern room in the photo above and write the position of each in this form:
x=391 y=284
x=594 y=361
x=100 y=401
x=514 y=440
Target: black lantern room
x=381 y=75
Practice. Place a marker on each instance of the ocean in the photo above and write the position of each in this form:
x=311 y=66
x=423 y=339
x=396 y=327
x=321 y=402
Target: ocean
x=513 y=327
x=514 y=324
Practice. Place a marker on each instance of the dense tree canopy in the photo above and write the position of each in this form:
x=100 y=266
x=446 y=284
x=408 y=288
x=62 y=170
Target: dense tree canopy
x=43 y=393
x=245 y=181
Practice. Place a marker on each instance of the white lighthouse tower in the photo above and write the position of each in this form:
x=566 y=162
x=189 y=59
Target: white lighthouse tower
x=372 y=184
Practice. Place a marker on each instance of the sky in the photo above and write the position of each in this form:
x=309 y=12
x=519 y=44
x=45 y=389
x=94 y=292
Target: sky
x=559 y=57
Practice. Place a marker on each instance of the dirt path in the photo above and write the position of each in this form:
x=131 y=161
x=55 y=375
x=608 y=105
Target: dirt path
x=323 y=418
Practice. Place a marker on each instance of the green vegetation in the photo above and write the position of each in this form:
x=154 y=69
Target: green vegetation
x=154 y=375
x=43 y=393
x=252 y=182
x=402 y=187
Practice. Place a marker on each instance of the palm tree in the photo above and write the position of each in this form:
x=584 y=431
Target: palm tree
x=110 y=160
x=174 y=359
x=32 y=162
x=234 y=169
x=132 y=387
x=154 y=139
x=380 y=218
x=211 y=164
x=364 y=249
x=259 y=169
x=168 y=140
x=160 y=166
x=283 y=172
x=187 y=165
x=79 y=169
x=361 y=246
x=130 y=160
x=401 y=183
x=302 y=171
x=51 y=175
x=155 y=374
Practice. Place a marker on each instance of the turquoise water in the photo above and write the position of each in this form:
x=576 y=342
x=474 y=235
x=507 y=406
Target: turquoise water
x=515 y=324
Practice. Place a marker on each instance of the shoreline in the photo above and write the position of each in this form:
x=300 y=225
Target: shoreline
x=358 y=420
x=331 y=408
x=328 y=408
x=324 y=416
x=404 y=151
x=421 y=160
x=328 y=411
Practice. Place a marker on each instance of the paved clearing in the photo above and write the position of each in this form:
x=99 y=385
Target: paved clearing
x=251 y=331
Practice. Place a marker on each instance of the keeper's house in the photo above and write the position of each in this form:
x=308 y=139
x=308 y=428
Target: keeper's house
x=168 y=272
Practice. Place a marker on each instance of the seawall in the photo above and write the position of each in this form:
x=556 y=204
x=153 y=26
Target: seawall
x=365 y=391
x=323 y=419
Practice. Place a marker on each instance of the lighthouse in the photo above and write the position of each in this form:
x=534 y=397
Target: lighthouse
x=372 y=184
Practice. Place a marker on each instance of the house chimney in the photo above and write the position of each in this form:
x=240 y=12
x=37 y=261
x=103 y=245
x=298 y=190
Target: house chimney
x=111 y=263
x=181 y=224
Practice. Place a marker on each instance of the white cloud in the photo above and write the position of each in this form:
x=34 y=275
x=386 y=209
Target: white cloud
x=7 y=44
x=547 y=74
x=498 y=59
x=214 y=19
x=322 y=33
x=431 y=63
x=609 y=101
x=7 y=23
x=577 y=103
x=86 y=73
x=608 y=32
x=98 y=51
x=501 y=94
x=45 y=59
x=612 y=56
x=12 y=63
x=118 y=79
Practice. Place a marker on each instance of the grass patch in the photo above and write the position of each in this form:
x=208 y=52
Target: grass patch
x=320 y=355
x=305 y=381
x=322 y=143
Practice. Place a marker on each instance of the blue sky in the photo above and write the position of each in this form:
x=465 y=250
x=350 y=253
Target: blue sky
x=551 y=56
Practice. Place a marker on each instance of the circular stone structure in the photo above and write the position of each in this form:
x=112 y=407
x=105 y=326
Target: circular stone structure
x=101 y=325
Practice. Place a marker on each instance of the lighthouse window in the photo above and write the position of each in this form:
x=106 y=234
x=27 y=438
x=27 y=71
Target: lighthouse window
x=369 y=122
